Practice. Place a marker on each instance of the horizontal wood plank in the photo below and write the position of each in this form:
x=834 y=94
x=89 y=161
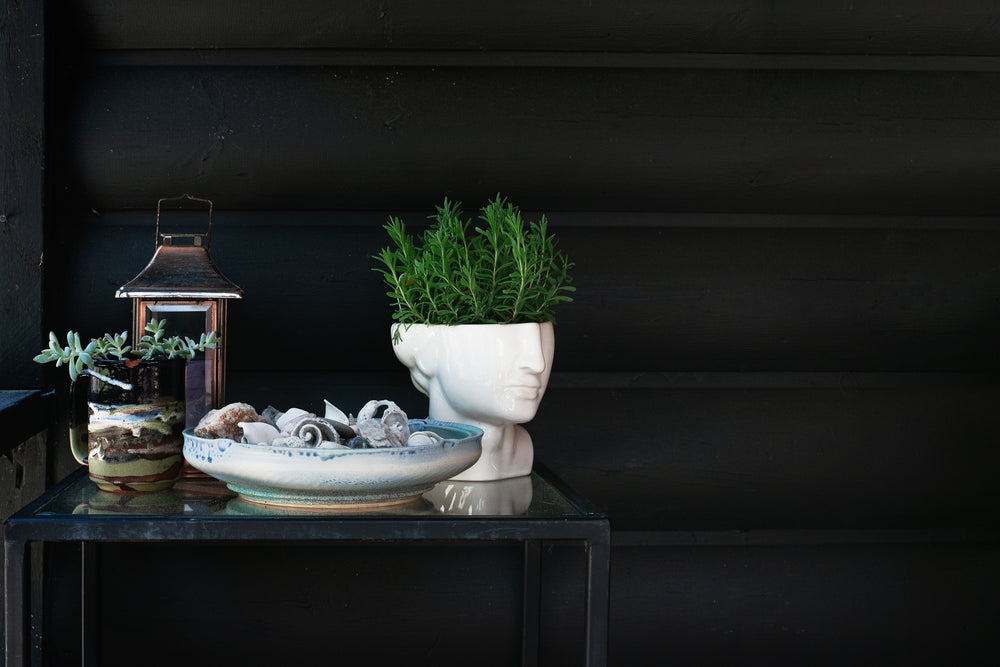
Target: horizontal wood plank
x=649 y=299
x=771 y=458
x=780 y=142
x=318 y=602
x=809 y=605
x=535 y=59
x=716 y=26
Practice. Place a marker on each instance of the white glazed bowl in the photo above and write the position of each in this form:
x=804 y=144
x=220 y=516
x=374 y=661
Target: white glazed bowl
x=310 y=477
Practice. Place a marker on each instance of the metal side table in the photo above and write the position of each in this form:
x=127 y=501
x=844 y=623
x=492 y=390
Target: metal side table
x=536 y=511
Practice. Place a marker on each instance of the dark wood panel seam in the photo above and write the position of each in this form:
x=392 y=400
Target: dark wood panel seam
x=804 y=537
x=310 y=57
x=656 y=380
x=242 y=219
x=643 y=380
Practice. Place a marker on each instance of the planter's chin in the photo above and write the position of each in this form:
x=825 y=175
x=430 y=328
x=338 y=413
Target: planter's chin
x=489 y=375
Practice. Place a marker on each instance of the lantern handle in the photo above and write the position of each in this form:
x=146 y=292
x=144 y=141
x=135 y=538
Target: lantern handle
x=208 y=237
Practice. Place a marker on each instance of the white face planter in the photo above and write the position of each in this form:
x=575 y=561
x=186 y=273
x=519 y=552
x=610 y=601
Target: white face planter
x=488 y=375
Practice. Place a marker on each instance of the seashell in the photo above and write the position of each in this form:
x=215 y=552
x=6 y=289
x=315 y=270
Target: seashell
x=373 y=433
x=288 y=441
x=285 y=422
x=334 y=413
x=259 y=433
x=392 y=430
x=367 y=412
x=423 y=438
x=327 y=444
x=397 y=427
x=314 y=430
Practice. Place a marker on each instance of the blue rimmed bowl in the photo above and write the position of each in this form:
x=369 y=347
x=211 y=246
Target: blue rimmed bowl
x=315 y=478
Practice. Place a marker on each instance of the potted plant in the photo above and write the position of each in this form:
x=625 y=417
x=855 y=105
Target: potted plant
x=474 y=310
x=127 y=419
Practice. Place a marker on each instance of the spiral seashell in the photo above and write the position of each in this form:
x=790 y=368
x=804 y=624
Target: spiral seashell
x=314 y=430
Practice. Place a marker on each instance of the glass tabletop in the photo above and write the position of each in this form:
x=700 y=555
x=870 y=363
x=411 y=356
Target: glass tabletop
x=530 y=496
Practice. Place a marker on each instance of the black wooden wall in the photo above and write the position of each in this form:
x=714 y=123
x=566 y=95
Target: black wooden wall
x=779 y=373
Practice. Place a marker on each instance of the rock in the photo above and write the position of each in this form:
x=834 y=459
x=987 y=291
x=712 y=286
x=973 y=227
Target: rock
x=225 y=422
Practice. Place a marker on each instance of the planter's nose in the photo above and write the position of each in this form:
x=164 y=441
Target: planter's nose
x=532 y=355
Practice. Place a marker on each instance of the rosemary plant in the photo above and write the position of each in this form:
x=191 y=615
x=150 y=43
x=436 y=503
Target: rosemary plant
x=504 y=271
x=80 y=359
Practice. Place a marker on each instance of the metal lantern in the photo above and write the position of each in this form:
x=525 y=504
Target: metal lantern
x=182 y=285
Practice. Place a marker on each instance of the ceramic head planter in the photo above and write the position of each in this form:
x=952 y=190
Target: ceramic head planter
x=474 y=307
x=492 y=376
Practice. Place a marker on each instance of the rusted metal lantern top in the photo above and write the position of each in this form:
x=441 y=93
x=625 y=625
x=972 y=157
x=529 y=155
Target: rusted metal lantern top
x=181 y=271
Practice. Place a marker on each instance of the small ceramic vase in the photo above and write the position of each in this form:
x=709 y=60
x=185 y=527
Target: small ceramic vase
x=488 y=375
x=131 y=440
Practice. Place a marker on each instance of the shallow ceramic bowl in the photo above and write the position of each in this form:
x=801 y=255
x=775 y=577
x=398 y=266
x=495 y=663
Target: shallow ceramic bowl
x=310 y=477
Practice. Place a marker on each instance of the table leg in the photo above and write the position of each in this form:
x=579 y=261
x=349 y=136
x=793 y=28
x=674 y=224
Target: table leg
x=89 y=605
x=14 y=601
x=35 y=576
x=598 y=557
x=532 y=594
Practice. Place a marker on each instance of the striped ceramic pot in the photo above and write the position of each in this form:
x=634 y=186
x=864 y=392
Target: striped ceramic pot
x=129 y=432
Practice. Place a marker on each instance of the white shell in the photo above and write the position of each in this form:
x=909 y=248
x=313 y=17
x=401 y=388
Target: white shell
x=258 y=433
x=335 y=413
x=423 y=438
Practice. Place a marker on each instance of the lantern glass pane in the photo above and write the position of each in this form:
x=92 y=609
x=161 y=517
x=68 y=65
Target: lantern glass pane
x=191 y=320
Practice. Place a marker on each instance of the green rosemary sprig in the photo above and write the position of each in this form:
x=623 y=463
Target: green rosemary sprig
x=505 y=271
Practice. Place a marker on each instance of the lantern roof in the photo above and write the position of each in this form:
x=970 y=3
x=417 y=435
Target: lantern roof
x=180 y=272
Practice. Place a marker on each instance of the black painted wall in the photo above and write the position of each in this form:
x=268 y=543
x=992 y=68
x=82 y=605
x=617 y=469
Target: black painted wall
x=779 y=374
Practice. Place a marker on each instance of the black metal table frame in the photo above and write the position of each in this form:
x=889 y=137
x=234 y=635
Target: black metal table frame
x=591 y=527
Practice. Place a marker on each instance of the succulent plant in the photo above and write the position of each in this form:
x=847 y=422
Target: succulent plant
x=154 y=344
x=503 y=272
